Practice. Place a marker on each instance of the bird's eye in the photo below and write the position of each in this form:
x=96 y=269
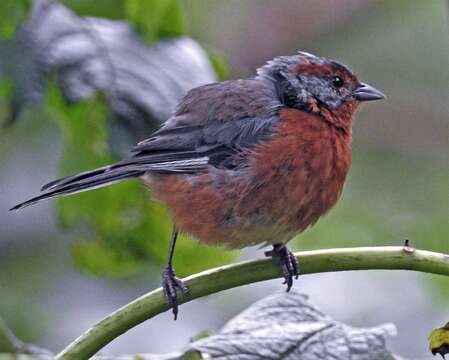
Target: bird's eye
x=337 y=81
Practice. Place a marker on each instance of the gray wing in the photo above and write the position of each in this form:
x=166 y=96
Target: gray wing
x=211 y=126
x=218 y=121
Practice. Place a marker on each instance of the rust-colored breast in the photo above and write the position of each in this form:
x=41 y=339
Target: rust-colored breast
x=289 y=182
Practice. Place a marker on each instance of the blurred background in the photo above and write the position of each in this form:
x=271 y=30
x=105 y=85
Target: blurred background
x=66 y=264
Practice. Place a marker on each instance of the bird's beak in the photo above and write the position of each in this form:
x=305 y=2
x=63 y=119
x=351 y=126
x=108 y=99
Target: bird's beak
x=366 y=92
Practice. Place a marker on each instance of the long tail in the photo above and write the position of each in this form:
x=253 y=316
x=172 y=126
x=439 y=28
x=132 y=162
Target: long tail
x=108 y=175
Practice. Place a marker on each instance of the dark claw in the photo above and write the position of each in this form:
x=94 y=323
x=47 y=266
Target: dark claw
x=170 y=283
x=287 y=262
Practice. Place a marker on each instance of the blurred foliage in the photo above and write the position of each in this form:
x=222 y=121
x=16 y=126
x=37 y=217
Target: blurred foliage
x=21 y=266
x=153 y=19
x=418 y=24
x=122 y=229
x=219 y=63
x=13 y=12
x=394 y=210
x=156 y=19
x=5 y=92
x=110 y=9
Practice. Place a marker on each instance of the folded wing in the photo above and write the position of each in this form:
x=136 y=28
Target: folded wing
x=213 y=124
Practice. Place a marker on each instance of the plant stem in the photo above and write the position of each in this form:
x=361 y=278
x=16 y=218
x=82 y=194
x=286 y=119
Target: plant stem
x=230 y=276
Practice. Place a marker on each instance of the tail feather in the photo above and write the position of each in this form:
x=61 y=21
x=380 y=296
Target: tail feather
x=76 y=187
x=72 y=178
x=108 y=175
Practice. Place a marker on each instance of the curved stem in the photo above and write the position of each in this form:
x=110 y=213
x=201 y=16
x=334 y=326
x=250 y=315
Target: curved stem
x=229 y=276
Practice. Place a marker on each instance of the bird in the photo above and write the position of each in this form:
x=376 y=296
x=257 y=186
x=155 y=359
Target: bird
x=245 y=162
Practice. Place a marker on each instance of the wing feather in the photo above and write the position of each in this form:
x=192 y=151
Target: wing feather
x=211 y=126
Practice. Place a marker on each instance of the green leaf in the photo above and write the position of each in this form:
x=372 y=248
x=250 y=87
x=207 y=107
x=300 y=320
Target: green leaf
x=13 y=12
x=173 y=21
x=6 y=88
x=439 y=341
x=191 y=355
x=219 y=63
x=111 y=9
x=156 y=19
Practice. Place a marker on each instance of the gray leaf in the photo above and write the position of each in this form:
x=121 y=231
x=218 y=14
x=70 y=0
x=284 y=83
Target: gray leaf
x=142 y=84
x=286 y=326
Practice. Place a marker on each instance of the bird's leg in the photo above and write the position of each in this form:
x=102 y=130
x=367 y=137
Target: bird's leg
x=287 y=262
x=169 y=280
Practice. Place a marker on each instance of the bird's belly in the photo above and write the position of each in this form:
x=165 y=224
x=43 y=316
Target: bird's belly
x=285 y=185
x=210 y=208
x=238 y=210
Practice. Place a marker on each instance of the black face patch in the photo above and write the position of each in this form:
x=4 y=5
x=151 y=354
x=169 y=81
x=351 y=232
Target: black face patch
x=316 y=82
x=300 y=88
x=325 y=89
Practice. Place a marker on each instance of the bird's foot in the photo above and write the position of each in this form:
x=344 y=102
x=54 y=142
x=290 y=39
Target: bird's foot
x=287 y=262
x=170 y=283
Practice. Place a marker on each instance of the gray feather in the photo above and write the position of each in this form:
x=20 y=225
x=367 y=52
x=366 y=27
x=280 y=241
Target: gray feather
x=109 y=175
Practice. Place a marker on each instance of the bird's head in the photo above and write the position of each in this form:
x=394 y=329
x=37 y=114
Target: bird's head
x=319 y=85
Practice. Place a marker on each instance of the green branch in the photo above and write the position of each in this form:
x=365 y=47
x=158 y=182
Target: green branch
x=230 y=276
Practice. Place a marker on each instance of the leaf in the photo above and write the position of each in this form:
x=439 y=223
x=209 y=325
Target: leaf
x=150 y=18
x=142 y=84
x=138 y=87
x=287 y=326
x=111 y=9
x=13 y=12
x=219 y=63
x=439 y=341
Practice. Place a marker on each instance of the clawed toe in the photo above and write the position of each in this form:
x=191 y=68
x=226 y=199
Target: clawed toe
x=287 y=262
x=170 y=283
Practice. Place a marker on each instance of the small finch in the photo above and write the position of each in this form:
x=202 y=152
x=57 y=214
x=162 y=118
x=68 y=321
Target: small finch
x=245 y=162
